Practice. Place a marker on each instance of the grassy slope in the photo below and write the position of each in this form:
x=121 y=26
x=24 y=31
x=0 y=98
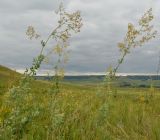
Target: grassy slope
x=84 y=113
x=8 y=77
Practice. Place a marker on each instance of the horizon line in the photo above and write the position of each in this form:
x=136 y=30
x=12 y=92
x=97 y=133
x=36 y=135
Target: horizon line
x=73 y=73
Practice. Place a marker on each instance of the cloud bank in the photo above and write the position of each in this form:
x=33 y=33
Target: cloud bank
x=94 y=49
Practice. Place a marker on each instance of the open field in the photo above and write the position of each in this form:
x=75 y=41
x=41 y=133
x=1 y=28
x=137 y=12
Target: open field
x=103 y=93
x=81 y=112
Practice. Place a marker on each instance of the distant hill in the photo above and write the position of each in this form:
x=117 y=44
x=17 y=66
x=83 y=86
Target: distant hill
x=123 y=81
x=101 y=77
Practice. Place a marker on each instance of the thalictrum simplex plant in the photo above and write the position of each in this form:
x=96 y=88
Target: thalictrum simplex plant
x=21 y=113
x=136 y=36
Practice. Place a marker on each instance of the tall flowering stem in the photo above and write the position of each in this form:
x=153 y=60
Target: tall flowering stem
x=135 y=37
x=18 y=96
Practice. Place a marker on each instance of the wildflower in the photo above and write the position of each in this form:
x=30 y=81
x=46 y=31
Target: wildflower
x=58 y=49
x=30 y=32
x=142 y=99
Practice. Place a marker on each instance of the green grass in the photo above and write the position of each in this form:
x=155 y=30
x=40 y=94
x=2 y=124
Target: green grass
x=83 y=112
x=7 y=78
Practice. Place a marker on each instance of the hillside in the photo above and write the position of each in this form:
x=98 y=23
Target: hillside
x=6 y=73
x=80 y=112
x=8 y=77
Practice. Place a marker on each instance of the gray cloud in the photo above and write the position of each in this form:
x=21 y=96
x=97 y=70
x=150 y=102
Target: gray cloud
x=94 y=49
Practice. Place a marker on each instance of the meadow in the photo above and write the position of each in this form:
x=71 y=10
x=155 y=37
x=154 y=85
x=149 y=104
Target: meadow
x=33 y=109
x=82 y=112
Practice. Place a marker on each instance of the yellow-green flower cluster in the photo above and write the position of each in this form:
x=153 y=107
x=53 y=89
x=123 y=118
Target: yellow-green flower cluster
x=31 y=33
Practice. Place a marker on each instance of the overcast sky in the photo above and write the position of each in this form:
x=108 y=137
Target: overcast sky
x=93 y=49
